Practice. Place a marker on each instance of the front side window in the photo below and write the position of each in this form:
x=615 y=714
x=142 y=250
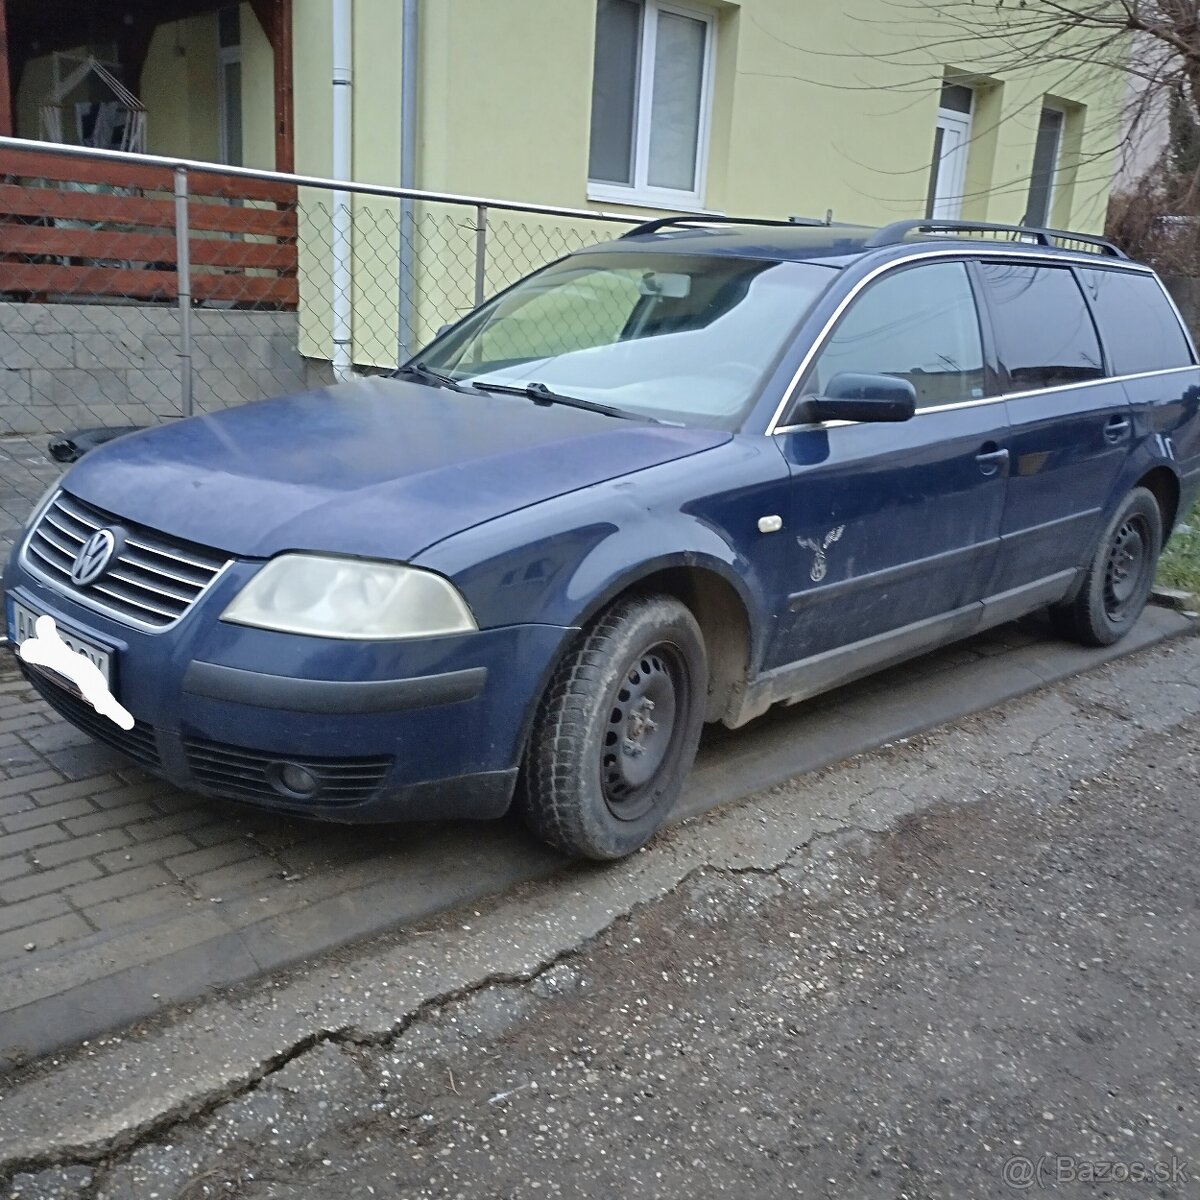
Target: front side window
x=651 y=81
x=1140 y=329
x=919 y=324
x=1044 y=334
x=679 y=337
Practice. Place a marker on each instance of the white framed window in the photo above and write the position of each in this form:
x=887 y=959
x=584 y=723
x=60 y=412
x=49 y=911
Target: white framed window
x=1046 y=152
x=951 y=144
x=651 y=103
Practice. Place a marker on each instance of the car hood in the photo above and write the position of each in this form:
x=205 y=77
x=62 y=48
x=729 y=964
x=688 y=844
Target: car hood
x=379 y=467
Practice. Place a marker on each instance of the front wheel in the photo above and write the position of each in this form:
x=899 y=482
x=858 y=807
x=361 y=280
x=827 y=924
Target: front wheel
x=1119 y=577
x=617 y=730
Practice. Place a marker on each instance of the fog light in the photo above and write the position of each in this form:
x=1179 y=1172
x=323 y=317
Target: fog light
x=293 y=781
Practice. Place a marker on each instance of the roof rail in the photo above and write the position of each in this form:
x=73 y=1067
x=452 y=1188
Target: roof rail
x=898 y=231
x=686 y=219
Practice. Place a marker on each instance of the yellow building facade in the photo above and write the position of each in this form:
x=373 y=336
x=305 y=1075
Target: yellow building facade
x=801 y=107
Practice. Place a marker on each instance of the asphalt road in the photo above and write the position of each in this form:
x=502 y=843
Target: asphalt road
x=984 y=984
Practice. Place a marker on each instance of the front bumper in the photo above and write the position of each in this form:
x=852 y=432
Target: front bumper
x=391 y=731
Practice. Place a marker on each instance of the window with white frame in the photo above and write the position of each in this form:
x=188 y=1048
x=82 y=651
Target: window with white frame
x=1045 y=166
x=651 y=96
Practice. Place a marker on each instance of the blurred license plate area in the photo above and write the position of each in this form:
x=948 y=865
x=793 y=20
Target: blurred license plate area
x=23 y=624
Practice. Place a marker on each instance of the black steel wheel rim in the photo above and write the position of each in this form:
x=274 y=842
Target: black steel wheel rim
x=645 y=721
x=1127 y=568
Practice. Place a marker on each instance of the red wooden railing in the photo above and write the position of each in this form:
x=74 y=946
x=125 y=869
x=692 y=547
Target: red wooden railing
x=62 y=243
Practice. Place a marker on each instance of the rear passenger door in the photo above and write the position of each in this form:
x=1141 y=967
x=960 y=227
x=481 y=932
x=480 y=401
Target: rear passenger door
x=1070 y=427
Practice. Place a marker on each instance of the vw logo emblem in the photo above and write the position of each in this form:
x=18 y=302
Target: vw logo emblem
x=92 y=560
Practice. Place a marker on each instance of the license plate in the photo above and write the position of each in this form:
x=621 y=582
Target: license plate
x=23 y=622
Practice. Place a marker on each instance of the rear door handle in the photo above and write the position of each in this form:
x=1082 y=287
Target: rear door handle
x=1116 y=429
x=990 y=461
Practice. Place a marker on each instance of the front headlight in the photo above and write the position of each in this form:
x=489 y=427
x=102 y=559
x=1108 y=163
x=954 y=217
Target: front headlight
x=349 y=598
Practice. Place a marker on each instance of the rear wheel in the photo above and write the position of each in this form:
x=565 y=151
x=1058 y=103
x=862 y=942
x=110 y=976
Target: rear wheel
x=617 y=730
x=1119 y=577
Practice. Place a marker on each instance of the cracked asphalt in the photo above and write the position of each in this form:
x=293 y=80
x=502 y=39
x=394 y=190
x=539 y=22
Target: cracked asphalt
x=920 y=973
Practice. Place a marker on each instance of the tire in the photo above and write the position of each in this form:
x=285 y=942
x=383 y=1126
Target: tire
x=603 y=769
x=1119 y=577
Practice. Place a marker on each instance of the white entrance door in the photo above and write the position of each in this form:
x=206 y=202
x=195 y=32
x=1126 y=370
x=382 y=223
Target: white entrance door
x=948 y=174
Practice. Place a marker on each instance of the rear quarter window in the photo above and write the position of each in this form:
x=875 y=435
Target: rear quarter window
x=1140 y=329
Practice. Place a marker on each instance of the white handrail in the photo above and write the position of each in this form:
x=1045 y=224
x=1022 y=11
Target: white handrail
x=313 y=181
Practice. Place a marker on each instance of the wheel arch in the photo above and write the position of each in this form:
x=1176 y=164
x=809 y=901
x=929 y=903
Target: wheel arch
x=722 y=614
x=1163 y=484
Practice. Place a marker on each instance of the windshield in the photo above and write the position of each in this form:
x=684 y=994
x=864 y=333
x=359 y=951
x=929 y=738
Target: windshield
x=685 y=338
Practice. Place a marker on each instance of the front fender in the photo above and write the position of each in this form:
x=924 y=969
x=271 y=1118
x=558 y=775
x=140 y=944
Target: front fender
x=633 y=554
x=560 y=562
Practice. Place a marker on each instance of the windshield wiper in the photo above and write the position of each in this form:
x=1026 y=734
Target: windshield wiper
x=539 y=393
x=424 y=374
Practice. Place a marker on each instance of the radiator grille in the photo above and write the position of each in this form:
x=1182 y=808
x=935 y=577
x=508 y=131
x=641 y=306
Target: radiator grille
x=152 y=580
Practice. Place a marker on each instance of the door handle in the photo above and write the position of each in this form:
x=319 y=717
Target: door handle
x=1116 y=429
x=990 y=461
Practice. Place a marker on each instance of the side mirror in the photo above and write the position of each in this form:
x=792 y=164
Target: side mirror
x=853 y=397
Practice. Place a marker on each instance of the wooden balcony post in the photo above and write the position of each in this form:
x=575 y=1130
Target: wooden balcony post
x=285 y=138
x=275 y=16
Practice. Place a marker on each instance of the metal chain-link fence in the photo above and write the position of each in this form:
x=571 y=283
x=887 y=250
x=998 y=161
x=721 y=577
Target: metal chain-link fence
x=135 y=290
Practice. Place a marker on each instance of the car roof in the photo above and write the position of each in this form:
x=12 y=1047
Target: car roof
x=838 y=245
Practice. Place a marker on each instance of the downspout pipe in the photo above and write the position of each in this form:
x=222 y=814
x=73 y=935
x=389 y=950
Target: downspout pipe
x=341 y=278
x=408 y=179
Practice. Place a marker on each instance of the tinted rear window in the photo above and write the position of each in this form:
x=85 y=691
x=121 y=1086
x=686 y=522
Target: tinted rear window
x=1139 y=327
x=1044 y=333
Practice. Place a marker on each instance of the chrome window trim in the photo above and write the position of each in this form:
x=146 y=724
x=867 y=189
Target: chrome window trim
x=941 y=408
x=964 y=253
x=1068 y=387
x=86 y=600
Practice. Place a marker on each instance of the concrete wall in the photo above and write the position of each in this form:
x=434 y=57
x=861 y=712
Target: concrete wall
x=70 y=366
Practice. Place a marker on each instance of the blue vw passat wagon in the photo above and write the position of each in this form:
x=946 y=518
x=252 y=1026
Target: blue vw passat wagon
x=676 y=478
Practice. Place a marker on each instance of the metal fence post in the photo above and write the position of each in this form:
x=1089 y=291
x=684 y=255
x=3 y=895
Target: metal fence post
x=481 y=220
x=183 y=270
x=406 y=306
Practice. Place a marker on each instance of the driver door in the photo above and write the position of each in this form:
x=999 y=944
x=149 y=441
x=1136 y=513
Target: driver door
x=895 y=527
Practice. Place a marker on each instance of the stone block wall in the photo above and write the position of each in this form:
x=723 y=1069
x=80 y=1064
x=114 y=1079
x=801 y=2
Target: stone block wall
x=70 y=366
